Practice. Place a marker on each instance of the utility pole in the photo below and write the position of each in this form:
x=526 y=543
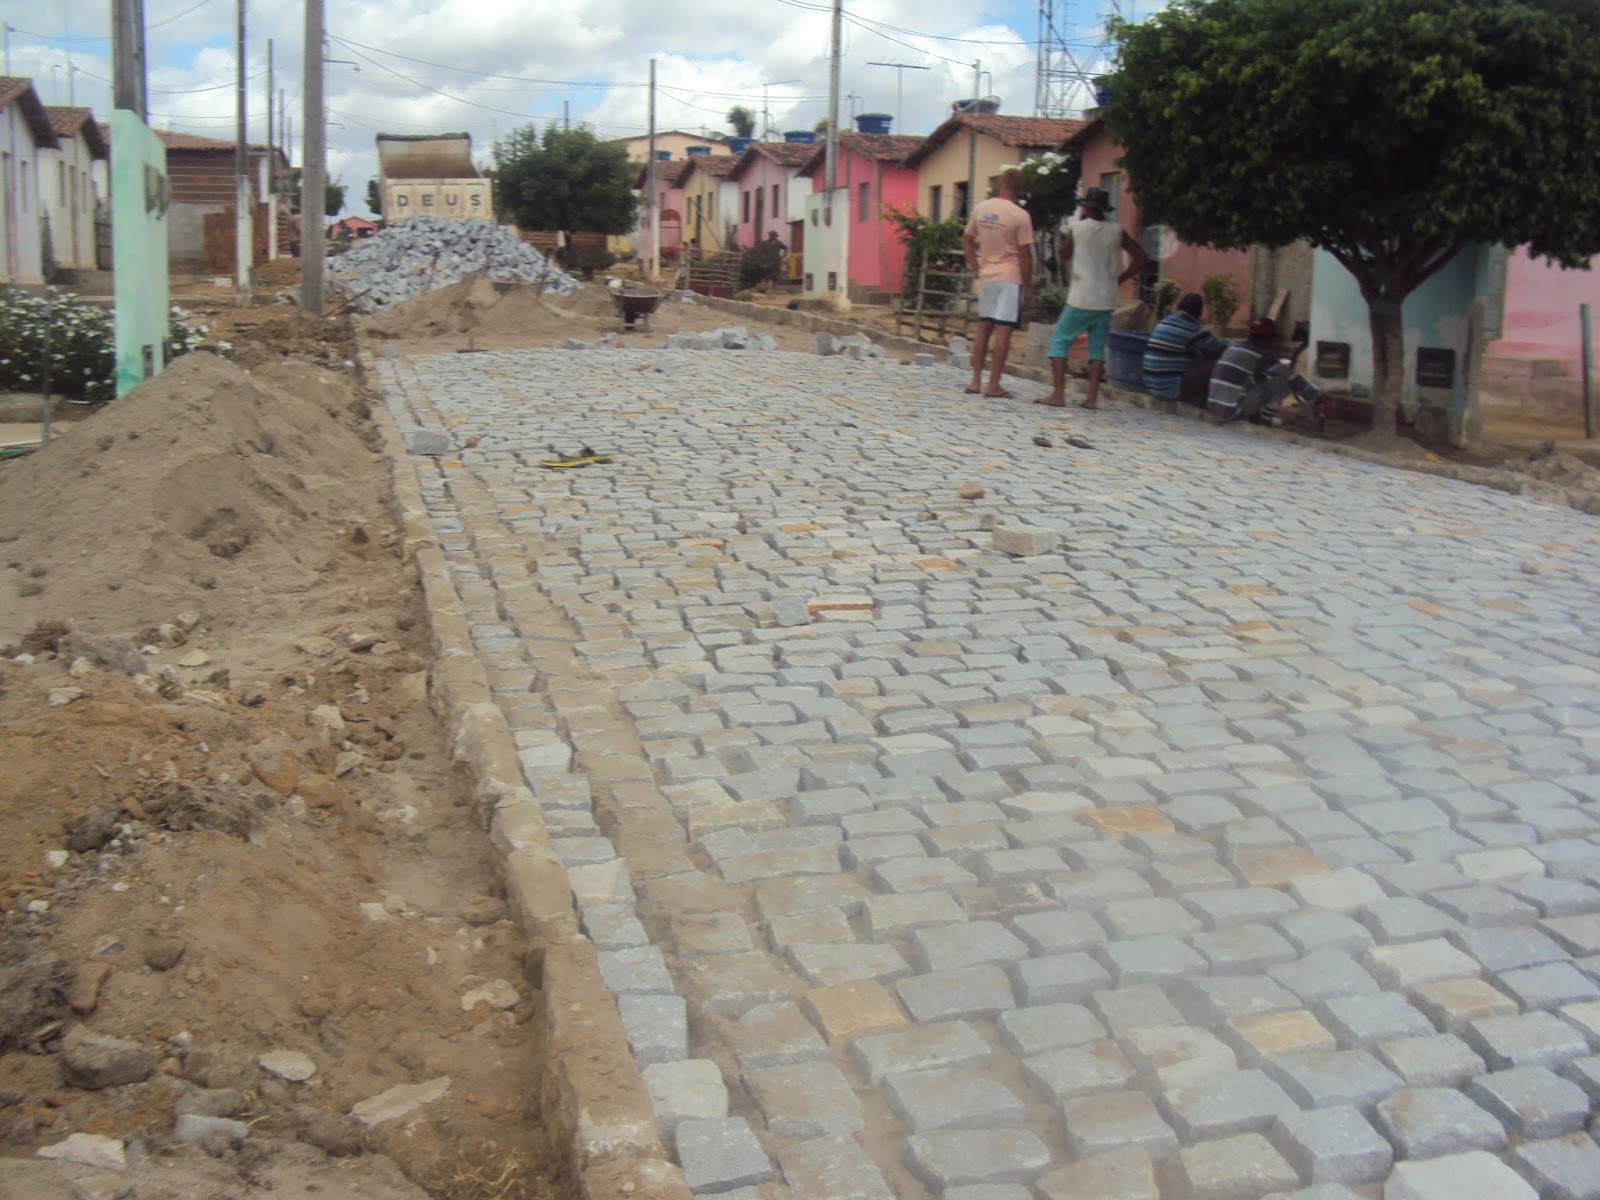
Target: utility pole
x=313 y=180
x=652 y=216
x=272 y=168
x=566 y=115
x=972 y=141
x=8 y=47
x=830 y=169
x=243 y=248
x=127 y=57
x=900 y=70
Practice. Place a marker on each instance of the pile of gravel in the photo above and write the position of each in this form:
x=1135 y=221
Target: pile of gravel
x=423 y=253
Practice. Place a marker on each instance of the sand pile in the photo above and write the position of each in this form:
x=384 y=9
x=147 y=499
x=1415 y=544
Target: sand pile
x=207 y=487
x=485 y=308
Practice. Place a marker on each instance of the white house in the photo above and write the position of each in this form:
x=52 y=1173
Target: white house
x=67 y=185
x=24 y=132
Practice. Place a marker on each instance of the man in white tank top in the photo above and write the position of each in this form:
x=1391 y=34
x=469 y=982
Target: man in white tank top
x=1090 y=257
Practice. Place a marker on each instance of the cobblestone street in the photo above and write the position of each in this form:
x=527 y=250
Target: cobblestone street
x=1237 y=837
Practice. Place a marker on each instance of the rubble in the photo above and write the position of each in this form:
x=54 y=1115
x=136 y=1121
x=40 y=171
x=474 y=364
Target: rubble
x=425 y=253
x=733 y=337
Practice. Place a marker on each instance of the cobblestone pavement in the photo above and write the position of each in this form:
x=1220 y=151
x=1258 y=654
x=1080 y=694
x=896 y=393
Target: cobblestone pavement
x=1240 y=842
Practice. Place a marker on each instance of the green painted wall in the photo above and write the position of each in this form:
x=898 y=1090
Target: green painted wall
x=139 y=196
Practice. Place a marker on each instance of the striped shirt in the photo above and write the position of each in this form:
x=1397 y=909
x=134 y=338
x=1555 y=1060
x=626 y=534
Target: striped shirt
x=1248 y=382
x=1176 y=343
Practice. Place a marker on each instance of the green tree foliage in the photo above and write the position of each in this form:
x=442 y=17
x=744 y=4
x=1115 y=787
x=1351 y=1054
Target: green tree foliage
x=1390 y=133
x=333 y=198
x=374 y=198
x=564 y=179
x=742 y=120
x=938 y=243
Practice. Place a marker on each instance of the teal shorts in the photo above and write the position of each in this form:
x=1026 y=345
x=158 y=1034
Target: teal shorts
x=1096 y=322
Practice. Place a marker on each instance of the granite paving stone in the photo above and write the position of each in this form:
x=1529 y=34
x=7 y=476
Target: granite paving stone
x=1531 y=1102
x=1332 y=1145
x=961 y=1156
x=1537 y=1039
x=1432 y=1122
x=1474 y=1175
x=1234 y=1168
x=1565 y=1168
x=1234 y=1102
x=1432 y=1060
x=953 y=1099
x=1107 y=1121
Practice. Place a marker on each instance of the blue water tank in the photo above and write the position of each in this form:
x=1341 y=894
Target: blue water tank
x=739 y=144
x=803 y=136
x=1102 y=95
x=699 y=151
x=982 y=104
x=874 y=122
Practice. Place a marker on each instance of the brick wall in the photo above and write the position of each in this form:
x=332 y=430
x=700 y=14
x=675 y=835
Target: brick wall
x=203 y=177
x=220 y=235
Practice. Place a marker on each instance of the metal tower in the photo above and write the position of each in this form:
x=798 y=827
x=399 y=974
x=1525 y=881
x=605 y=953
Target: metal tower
x=1068 y=60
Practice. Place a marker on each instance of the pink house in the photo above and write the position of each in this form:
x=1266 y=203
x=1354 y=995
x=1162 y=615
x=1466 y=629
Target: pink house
x=1541 y=310
x=669 y=202
x=1188 y=265
x=873 y=173
x=771 y=194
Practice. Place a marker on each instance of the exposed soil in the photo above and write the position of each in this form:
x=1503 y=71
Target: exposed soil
x=233 y=827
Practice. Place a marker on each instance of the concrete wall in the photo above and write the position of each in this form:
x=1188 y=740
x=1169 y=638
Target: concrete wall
x=1274 y=269
x=1435 y=316
x=947 y=166
x=67 y=191
x=21 y=249
x=876 y=254
x=1541 y=310
x=678 y=143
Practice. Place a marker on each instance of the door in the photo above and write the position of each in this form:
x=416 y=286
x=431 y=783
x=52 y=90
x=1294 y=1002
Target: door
x=760 y=227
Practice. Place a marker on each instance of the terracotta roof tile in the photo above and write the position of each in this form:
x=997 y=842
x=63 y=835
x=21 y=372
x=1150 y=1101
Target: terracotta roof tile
x=70 y=122
x=16 y=89
x=1026 y=133
x=718 y=166
x=668 y=173
x=877 y=147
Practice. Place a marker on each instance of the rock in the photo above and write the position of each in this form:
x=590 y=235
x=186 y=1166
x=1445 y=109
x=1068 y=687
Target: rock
x=361 y=641
x=192 y=1127
x=347 y=762
x=80 y=667
x=162 y=954
x=316 y=647
x=89 y=1150
x=970 y=491
x=274 y=765
x=922 y=360
x=64 y=695
x=318 y=791
x=427 y=443
x=195 y=658
x=327 y=720
x=287 y=1064
x=56 y=859
x=84 y=994
x=94 y=1062
x=498 y=994
x=187 y=620
x=210 y=1102
x=484 y=910
x=171 y=634
x=825 y=345
x=88 y=831
x=332 y=1133
x=1024 y=540
x=400 y=1101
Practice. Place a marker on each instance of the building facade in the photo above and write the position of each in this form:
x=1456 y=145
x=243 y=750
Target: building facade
x=25 y=136
x=710 y=200
x=967 y=153
x=675 y=142
x=771 y=192
x=873 y=174
x=67 y=186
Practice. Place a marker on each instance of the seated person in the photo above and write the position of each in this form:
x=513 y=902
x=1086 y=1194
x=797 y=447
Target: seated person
x=1178 y=345
x=1250 y=380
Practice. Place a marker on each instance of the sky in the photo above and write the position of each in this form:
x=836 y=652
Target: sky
x=487 y=66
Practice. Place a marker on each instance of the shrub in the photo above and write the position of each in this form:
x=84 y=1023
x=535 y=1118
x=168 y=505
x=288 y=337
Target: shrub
x=938 y=243
x=82 y=344
x=1048 y=301
x=1165 y=297
x=1222 y=300
x=587 y=259
x=761 y=264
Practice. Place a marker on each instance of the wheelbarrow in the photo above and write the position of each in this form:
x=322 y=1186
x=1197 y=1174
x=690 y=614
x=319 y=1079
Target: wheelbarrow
x=635 y=306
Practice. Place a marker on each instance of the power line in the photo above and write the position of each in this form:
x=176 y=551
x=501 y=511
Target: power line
x=573 y=83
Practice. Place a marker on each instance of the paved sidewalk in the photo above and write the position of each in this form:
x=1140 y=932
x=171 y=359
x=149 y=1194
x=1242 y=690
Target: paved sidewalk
x=1241 y=839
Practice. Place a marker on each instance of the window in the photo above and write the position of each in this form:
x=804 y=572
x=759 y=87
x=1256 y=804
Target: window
x=959 y=199
x=23 y=166
x=863 y=202
x=936 y=202
x=61 y=183
x=746 y=216
x=776 y=206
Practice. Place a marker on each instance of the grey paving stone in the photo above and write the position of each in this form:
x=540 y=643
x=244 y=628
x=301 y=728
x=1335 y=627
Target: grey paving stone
x=1531 y=1102
x=1502 y=949
x=1345 y=890
x=1150 y=960
x=1318 y=1191
x=969 y=944
x=1577 y=934
x=772 y=1035
x=1058 y=931
x=1565 y=1168
x=1091 y=888
x=885 y=916
x=1556 y=897
x=688 y=1090
x=1362 y=1022
x=921 y=1048
x=1107 y=1121
x=1435 y=1060
x=921 y=875
x=1322 y=1079
x=1137 y=1007
x=805 y=1100
x=1144 y=918
x=1030 y=1031
x=953 y=1099
x=1234 y=1102
x=988 y=1191
x=1311 y=930
x=1550 y=985
x=1332 y=1145
x=1125 y=1174
x=1063 y=1075
x=1405 y=919
x=1074 y=976
x=954 y=1157
x=640 y=970
x=827 y=963
x=657 y=1027
x=966 y=992
x=1407 y=965
x=1538 y=1039
x=1219 y=1000
x=836 y=1167
x=1241 y=1167
x=1324 y=975
x=1431 y=1122
x=720 y=1155
x=1242 y=949
x=1475 y=1175
x=1482 y=906
x=1173 y=1057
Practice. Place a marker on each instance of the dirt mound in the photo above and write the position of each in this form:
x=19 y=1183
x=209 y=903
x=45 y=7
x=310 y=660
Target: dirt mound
x=1550 y=465
x=206 y=487
x=322 y=340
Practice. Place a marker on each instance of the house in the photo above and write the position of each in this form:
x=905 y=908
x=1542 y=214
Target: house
x=771 y=192
x=1536 y=357
x=992 y=141
x=872 y=171
x=674 y=142
x=711 y=202
x=200 y=171
x=353 y=227
x=25 y=133
x=1188 y=266
x=669 y=206
x=72 y=179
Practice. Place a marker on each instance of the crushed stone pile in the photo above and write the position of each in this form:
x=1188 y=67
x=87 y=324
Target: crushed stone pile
x=423 y=253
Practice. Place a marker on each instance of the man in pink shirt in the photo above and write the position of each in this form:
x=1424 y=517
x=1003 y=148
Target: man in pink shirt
x=998 y=244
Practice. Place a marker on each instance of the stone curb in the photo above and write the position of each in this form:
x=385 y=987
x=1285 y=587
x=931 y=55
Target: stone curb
x=1581 y=501
x=597 y=1111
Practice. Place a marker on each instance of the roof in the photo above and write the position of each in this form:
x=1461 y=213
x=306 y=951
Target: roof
x=173 y=140
x=18 y=90
x=668 y=173
x=1083 y=135
x=875 y=147
x=639 y=137
x=718 y=166
x=71 y=122
x=1023 y=132
x=785 y=154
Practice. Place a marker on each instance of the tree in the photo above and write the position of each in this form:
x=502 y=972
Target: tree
x=1390 y=133
x=742 y=120
x=821 y=127
x=333 y=198
x=564 y=179
x=374 y=198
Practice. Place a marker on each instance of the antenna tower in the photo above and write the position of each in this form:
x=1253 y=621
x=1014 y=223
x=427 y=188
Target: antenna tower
x=1069 y=60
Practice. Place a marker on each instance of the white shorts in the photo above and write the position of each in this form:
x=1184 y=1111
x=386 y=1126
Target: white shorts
x=1000 y=303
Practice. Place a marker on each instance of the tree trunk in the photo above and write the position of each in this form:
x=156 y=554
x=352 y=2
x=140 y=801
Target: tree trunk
x=1388 y=365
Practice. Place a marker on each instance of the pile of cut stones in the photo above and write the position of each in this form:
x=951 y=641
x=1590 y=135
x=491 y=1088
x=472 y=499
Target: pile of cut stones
x=421 y=254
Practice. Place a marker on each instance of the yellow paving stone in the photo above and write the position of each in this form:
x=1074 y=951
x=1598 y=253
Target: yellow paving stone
x=1275 y=866
x=1130 y=818
x=936 y=564
x=840 y=604
x=1428 y=607
x=1248 y=627
x=1283 y=1032
x=1505 y=606
x=1252 y=589
x=449 y=462
x=847 y=1010
x=1266 y=535
x=798 y=528
x=1409 y=508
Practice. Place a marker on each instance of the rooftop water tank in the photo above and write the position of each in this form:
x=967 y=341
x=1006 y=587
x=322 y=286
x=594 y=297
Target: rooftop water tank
x=981 y=104
x=663 y=155
x=803 y=136
x=739 y=145
x=874 y=122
